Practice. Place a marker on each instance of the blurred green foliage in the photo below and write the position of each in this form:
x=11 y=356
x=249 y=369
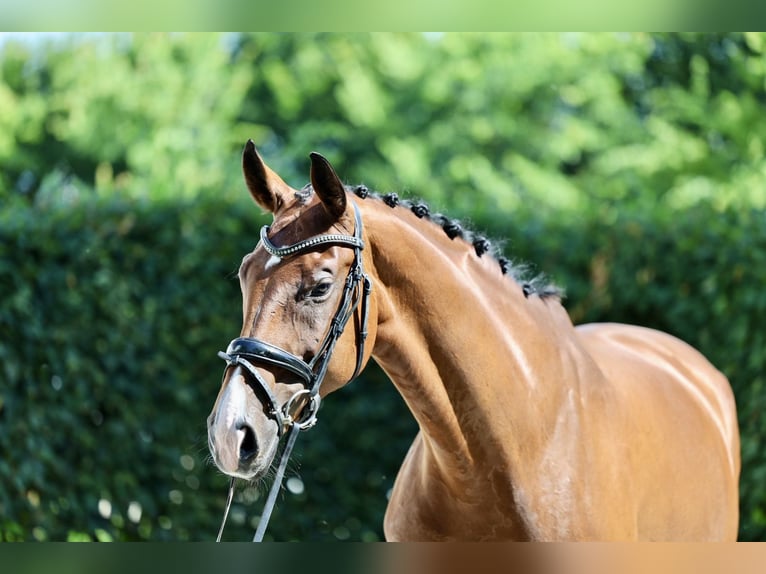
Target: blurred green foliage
x=629 y=167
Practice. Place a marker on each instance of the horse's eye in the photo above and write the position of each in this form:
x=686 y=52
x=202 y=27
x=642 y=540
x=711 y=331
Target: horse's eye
x=320 y=290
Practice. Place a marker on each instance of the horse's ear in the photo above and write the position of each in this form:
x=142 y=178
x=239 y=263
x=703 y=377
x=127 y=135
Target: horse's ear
x=266 y=187
x=328 y=186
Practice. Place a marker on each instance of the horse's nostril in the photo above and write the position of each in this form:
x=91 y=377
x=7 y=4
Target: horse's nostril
x=248 y=446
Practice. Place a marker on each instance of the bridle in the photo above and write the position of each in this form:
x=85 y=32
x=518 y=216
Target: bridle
x=246 y=352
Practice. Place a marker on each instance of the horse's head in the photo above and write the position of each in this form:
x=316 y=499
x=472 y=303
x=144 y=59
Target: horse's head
x=305 y=309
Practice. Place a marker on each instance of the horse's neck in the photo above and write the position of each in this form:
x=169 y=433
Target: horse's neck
x=476 y=361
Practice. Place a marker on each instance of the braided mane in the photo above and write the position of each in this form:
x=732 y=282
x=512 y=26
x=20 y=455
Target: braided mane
x=531 y=283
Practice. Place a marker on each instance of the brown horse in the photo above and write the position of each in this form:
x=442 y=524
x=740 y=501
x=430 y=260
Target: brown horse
x=530 y=428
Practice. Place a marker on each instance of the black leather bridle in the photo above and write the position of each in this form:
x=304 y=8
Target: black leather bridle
x=248 y=352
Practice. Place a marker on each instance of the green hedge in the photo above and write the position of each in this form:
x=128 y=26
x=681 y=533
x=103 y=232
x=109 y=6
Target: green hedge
x=112 y=313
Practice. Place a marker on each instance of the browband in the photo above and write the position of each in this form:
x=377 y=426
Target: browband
x=354 y=241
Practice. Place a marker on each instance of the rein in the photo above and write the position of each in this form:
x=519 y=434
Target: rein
x=246 y=352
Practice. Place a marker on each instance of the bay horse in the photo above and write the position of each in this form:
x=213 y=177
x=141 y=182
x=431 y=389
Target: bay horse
x=529 y=428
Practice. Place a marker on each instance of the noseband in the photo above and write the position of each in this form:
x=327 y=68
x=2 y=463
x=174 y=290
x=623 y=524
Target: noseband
x=246 y=352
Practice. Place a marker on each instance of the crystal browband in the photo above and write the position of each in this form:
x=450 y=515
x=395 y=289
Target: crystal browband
x=307 y=244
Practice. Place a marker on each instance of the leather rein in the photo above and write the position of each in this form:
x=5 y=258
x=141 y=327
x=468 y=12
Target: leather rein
x=248 y=352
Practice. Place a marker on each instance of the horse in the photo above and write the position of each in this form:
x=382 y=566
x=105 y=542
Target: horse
x=530 y=429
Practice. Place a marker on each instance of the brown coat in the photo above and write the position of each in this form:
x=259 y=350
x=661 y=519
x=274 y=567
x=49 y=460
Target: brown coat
x=530 y=428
